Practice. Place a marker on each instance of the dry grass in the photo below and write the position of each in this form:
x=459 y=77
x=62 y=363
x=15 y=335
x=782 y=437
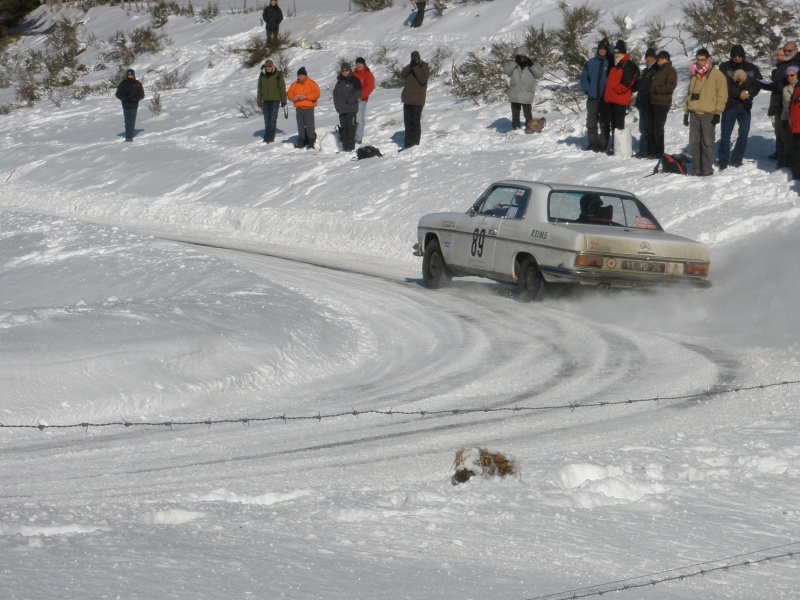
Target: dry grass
x=473 y=461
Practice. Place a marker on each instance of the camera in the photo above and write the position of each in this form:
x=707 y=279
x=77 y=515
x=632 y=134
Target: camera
x=695 y=96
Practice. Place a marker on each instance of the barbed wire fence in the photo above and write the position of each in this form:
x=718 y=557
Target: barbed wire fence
x=670 y=575
x=572 y=406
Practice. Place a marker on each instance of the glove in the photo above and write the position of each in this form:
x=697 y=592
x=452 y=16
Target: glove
x=715 y=120
x=686 y=120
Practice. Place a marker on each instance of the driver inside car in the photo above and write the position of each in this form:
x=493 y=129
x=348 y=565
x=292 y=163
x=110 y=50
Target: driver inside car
x=590 y=208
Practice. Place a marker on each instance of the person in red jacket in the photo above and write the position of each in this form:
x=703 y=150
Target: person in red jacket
x=367 y=80
x=792 y=74
x=619 y=88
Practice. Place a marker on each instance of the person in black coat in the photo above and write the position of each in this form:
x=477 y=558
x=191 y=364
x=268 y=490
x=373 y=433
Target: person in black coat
x=272 y=15
x=130 y=92
x=346 y=94
x=743 y=85
x=647 y=143
x=420 y=6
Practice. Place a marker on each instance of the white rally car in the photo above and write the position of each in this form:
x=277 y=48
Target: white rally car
x=532 y=233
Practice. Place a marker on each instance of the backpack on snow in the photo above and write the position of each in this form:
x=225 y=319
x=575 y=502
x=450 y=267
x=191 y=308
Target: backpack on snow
x=367 y=152
x=671 y=163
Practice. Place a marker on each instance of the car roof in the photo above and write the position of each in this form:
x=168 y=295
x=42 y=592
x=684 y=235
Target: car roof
x=563 y=186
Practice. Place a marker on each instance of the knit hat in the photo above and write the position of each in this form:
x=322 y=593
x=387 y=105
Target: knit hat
x=663 y=54
x=604 y=43
x=302 y=71
x=620 y=47
x=415 y=56
x=523 y=51
x=650 y=52
x=345 y=67
x=737 y=50
x=360 y=61
x=269 y=63
x=792 y=68
x=130 y=72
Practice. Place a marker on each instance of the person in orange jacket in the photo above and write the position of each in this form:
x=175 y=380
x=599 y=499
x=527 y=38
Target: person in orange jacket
x=304 y=94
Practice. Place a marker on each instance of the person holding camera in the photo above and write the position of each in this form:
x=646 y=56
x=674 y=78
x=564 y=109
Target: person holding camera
x=522 y=73
x=705 y=101
x=415 y=77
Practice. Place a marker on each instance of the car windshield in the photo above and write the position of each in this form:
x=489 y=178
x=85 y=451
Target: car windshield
x=599 y=208
x=503 y=201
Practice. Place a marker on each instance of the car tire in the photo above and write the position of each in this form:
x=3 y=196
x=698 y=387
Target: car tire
x=434 y=271
x=530 y=281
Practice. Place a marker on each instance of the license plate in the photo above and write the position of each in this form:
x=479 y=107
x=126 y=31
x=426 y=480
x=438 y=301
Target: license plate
x=643 y=266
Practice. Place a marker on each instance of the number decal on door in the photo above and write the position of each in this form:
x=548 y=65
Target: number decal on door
x=477 y=242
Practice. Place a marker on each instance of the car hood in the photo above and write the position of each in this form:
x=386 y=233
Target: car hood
x=641 y=243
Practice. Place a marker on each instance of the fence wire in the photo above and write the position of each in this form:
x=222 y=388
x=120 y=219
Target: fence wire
x=677 y=574
x=572 y=406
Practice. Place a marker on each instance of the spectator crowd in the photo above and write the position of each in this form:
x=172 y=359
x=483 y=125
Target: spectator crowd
x=717 y=95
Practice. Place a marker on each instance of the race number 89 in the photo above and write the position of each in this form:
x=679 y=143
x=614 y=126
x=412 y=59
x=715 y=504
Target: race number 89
x=477 y=242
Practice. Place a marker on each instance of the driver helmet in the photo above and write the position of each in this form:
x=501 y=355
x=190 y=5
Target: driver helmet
x=590 y=203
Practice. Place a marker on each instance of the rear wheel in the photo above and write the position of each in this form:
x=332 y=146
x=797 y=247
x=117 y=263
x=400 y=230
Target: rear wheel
x=434 y=271
x=530 y=282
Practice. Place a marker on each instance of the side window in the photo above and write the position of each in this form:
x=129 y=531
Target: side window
x=504 y=201
x=564 y=206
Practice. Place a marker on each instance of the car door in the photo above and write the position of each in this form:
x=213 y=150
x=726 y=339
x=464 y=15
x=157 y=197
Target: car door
x=476 y=239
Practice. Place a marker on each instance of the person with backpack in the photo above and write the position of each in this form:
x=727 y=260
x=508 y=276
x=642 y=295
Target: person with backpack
x=622 y=78
x=645 y=106
x=743 y=85
x=593 y=84
x=129 y=93
x=661 y=88
x=272 y=15
x=522 y=73
x=270 y=95
x=415 y=77
x=367 y=80
x=346 y=94
x=705 y=101
x=304 y=94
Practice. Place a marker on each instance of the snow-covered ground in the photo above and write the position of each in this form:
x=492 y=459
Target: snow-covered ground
x=296 y=313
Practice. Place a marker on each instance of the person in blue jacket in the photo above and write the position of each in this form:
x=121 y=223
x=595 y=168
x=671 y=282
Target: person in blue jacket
x=593 y=82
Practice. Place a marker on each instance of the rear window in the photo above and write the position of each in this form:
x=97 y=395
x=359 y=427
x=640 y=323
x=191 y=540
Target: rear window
x=599 y=209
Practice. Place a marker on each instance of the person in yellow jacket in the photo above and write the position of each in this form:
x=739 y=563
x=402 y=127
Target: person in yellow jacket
x=304 y=94
x=705 y=101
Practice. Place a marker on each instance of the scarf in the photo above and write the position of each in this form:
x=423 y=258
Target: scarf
x=699 y=71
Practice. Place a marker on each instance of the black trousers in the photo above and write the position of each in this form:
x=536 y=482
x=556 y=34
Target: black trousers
x=412 y=119
x=660 y=112
x=419 y=16
x=526 y=110
x=347 y=131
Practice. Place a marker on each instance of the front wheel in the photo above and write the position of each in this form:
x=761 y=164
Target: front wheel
x=530 y=282
x=434 y=271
